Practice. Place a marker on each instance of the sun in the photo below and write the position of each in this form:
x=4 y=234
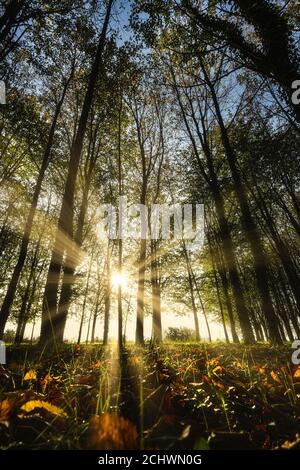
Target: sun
x=119 y=280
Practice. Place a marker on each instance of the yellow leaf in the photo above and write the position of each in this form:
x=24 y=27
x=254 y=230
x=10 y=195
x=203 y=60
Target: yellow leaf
x=30 y=375
x=32 y=404
x=218 y=370
x=297 y=373
x=213 y=362
x=275 y=377
x=239 y=364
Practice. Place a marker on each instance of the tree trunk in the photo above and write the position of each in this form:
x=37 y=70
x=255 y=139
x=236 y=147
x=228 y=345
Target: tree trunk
x=85 y=301
x=120 y=240
x=139 y=334
x=191 y=286
x=200 y=301
x=156 y=295
x=96 y=311
x=22 y=313
x=107 y=297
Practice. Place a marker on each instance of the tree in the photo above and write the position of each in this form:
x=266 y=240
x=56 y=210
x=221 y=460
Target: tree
x=65 y=222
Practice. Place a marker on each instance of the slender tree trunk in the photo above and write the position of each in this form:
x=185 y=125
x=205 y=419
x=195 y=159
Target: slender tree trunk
x=139 y=335
x=201 y=302
x=96 y=311
x=156 y=295
x=221 y=305
x=191 y=286
x=120 y=240
x=21 y=317
x=32 y=331
x=85 y=301
x=89 y=327
x=107 y=297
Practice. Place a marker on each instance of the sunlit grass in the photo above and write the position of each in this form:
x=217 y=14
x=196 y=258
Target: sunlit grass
x=158 y=389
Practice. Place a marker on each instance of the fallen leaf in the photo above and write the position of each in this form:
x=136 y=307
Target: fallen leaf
x=261 y=370
x=275 y=377
x=112 y=432
x=218 y=370
x=30 y=375
x=33 y=404
x=297 y=373
x=218 y=385
x=5 y=411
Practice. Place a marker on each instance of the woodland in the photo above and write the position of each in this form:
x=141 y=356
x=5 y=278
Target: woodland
x=149 y=342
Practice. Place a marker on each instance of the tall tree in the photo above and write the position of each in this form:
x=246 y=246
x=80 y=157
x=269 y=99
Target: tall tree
x=12 y=287
x=64 y=234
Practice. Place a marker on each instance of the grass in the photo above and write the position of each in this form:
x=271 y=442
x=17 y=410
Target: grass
x=178 y=395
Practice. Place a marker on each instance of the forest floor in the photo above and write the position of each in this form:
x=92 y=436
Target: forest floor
x=180 y=395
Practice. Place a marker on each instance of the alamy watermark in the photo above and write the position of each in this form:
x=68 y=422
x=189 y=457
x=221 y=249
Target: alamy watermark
x=296 y=353
x=2 y=92
x=159 y=221
x=2 y=353
x=296 y=93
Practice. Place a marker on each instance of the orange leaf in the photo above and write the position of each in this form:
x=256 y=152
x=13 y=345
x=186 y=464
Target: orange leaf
x=297 y=373
x=275 y=377
x=261 y=370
